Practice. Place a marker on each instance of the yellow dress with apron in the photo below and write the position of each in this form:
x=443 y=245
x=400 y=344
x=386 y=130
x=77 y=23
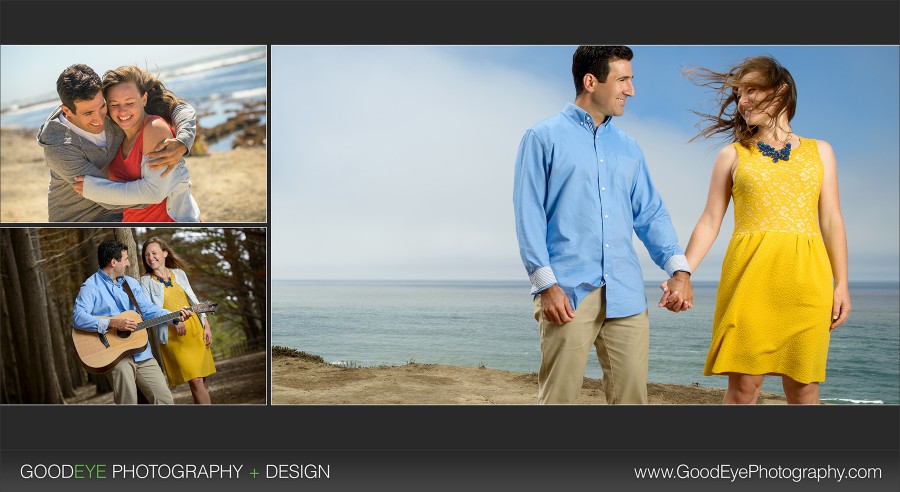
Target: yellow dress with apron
x=186 y=357
x=773 y=306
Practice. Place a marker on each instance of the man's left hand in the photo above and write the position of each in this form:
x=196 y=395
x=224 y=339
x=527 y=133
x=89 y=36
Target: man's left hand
x=678 y=293
x=78 y=185
x=166 y=155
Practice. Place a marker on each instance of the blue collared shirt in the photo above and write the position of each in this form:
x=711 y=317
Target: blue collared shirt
x=100 y=296
x=579 y=192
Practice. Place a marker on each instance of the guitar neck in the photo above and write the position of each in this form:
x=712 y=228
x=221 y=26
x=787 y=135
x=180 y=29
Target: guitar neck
x=159 y=320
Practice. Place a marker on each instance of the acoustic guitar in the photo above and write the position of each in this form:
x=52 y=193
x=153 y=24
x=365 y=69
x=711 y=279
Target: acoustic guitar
x=100 y=352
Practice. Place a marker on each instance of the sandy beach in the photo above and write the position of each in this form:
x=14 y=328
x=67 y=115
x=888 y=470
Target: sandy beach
x=300 y=378
x=229 y=186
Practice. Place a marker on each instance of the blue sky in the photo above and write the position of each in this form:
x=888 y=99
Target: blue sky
x=393 y=162
x=31 y=71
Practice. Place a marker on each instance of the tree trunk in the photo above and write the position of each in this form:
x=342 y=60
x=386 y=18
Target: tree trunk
x=126 y=236
x=12 y=384
x=17 y=322
x=57 y=330
x=70 y=274
x=30 y=280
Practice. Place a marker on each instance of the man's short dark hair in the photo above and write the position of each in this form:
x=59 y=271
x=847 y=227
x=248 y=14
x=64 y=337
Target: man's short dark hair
x=595 y=60
x=109 y=250
x=77 y=83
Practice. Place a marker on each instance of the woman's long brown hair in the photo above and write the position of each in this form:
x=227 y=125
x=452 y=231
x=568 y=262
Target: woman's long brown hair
x=160 y=100
x=172 y=261
x=728 y=122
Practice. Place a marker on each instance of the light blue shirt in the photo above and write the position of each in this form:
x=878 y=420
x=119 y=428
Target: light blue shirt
x=579 y=192
x=100 y=296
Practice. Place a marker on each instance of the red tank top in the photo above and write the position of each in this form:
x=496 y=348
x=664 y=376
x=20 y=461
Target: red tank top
x=129 y=169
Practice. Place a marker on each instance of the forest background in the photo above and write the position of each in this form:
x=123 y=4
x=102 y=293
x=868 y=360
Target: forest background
x=42 y=271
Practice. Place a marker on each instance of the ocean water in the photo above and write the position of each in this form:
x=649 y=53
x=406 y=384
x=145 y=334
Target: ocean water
x=369 y=323
x=215 y=86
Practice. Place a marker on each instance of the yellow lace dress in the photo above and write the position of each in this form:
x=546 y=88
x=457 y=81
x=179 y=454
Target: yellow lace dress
x=773 y=306
x=186 y=357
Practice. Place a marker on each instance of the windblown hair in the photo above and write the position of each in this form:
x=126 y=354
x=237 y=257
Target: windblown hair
x=595 y=60
x=160 y=100
x=172 y=261
x=728 y=123
x=77 y=83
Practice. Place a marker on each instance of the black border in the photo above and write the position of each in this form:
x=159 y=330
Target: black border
x=838 y=433
x=462 y=22
x=467 y=427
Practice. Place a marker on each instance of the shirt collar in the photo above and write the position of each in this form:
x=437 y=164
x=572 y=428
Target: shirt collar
x=98 y=139
x=582 y=117
x=109 y=279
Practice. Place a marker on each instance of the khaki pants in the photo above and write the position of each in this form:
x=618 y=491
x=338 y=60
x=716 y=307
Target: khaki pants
x=622 y=345
x=127 y=376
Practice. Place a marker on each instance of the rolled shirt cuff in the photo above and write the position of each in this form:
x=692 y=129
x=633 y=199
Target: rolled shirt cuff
x=541 y=279
x=162 y=333
x=677 y=263
x=102 y=325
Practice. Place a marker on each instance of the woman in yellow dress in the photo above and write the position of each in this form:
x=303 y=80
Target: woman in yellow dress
x=186 y=354
x=784 y=276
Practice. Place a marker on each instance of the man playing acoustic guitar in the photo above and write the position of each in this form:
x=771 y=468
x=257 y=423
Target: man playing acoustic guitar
x=103 y=295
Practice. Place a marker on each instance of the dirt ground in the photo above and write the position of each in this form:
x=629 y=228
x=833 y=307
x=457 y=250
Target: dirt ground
x=299 y=378
x=229 y=186
x=238 y=380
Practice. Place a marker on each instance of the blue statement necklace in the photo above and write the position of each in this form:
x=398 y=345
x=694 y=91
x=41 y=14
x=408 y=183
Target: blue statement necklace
x=776 y=155
x=167 y=283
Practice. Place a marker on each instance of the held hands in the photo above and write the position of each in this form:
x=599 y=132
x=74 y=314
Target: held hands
x=555 y=306
x=678 y=293
x=840 y=309
x=166 y=155
x=78 y=185
x=180 y=328
x=122 y=324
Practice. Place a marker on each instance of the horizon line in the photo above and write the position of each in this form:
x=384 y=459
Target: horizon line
x=524 y=281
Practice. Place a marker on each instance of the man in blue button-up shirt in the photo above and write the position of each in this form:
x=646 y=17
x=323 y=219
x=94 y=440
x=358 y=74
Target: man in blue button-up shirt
x=581 y=187
x=102 y=294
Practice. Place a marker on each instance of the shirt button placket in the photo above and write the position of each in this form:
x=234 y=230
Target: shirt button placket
x=602 y=173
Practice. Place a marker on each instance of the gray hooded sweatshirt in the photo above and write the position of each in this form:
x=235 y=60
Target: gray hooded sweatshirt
x=69 y=155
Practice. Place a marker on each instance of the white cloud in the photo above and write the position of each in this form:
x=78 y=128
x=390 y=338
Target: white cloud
x=403 y=163
x=397 y=162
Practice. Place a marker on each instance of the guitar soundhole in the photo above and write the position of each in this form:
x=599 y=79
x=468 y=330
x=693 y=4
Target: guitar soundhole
x=123 y=334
